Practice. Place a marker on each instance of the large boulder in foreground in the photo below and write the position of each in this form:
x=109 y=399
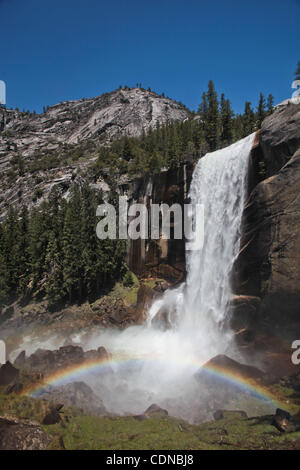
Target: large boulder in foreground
x=17 y=434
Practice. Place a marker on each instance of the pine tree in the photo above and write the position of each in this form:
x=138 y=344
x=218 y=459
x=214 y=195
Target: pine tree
x=126 y=152
x=90 y=265
x=4 y=291
x=227 y=121
x=261 y=110
x=212 y=121
x=10 y=251
x=270 y=103
x=40 y=225
x=22 y=251
x=72 y=248
x=203 y=107
x=53 y=272
x=248 y=119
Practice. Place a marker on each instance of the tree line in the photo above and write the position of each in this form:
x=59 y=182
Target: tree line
x=214 y=126
x=53 y=251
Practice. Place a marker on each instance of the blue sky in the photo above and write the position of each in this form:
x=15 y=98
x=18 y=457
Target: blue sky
x=56 y=50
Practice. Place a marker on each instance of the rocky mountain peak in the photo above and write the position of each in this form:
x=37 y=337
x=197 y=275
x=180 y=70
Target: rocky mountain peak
x=54 y=145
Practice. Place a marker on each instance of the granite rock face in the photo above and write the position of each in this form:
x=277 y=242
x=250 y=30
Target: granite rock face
x=67 y=130
x=280 y=137
x=269 y=262
x=161 y=258
x=76 y=394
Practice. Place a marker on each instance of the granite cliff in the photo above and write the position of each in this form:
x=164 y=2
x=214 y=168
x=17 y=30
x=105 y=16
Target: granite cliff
x=269 y=261
x=56 y=148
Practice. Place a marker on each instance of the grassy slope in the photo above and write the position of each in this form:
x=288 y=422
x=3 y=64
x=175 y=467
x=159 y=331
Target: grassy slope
x=79 y=431
x=230 y=433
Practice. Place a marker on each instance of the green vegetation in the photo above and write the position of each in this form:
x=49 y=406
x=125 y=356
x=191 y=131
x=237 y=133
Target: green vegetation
x=214 y=126
x=79 y=431
x=66 y=155
x=54 y=251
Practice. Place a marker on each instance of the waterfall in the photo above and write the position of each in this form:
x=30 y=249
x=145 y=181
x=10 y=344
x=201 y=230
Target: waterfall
x=219 y=183
x=202 y=303
x=159 y=361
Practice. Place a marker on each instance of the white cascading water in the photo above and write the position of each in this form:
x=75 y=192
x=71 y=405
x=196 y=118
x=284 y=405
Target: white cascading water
x=162 y=362
x=219 y=183
x=197 y=309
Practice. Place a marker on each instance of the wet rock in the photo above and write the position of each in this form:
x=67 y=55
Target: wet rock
x=155 y=410
x=17 y=434
x=245 y=336
x=144 y=298
x=47 y=361
x=21 y=359
x=244 y=311
x=75 y=394
x=103 y=354
x=282 y=421
x=52 y=417
x=269 y=260
x=226 y=364
x=173 y=274
x=162 y=319
x=8 y=374
x=161 y=286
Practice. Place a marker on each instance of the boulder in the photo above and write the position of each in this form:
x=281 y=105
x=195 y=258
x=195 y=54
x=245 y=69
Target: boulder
x=47 y=361
x=282 y=421
x=21 y=359
x=226 y=364
x=161 y=286
x=75 y=394
x=52 y=417
x=173 y=274
x=156 y=411
x=8 y=374
x=17 y=434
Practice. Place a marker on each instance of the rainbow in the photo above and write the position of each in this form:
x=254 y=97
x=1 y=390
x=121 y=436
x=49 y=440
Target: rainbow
x=79 y=372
